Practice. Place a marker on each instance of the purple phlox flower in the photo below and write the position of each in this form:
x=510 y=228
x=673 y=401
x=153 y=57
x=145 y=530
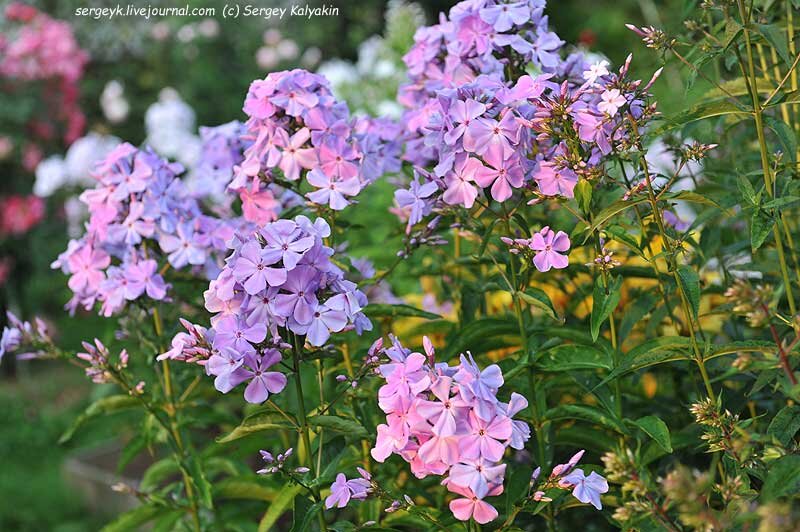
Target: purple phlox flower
x=462 y=113
x=133 y=228
x=183 y=247
x=87 y=265
x=342 y=490
x=252 y=268
x=586 y=489
x=294 y=157
x=301 y=299
x=416 y=198
x=226 y=366
x=554 y=181
x=476 y=475
x=263 y=382
x=332 y=191
x=520 y=431
x=502 y=175
x=549 y=246
x=460 y=190
x=336 y=160
x=236 y=334
x=143 y=277
x=324 y=321
x=503 y=17
x=285 y=241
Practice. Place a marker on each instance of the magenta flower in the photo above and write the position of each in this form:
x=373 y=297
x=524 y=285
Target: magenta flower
x=263 y=382
x=460 y=190
x=332 y=191
x=336 y=161
x=502 y=175
x=294 y=156
x=87 y=265
x=486 y=437
x=472 y=506
x=549 y=247
x=553 y=182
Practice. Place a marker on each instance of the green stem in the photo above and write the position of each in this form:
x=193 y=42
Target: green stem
x=752 y=85
x=304 y=429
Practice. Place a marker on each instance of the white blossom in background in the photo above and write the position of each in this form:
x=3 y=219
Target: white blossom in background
x=74 y=169
x=170 y=126
x=113 y=103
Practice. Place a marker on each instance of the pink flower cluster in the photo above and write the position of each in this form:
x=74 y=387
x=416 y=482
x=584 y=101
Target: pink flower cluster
x=19 y=214
x=447 y=420
x=141 y=215
x=297 y=128
x=477 y=123
x=45 y=49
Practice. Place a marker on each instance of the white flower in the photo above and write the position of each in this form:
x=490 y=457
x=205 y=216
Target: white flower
x=51 y=174
x=112 y=101
x=84 y=153
x=595 y=71
x=170 y=124
x=612 y=101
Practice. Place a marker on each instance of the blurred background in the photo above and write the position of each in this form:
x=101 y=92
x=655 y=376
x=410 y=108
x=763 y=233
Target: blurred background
x=157 y=81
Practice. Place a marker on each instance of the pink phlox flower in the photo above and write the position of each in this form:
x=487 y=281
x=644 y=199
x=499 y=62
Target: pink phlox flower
x=477 y=475
x=486 y=438
x=472 y=506
x=549 y=246
x=460 y=190
x=294 y=156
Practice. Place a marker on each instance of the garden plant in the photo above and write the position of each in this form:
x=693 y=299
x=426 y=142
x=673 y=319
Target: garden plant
x=611 y=333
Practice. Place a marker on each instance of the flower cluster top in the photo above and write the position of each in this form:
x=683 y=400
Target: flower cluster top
x=140 y=213
x=297 y=128
x=478 y=123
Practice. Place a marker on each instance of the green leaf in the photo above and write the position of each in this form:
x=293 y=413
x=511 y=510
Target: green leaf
x=786 y=136
x=304 y=513
x=134 y=519
x=585 y=413
x=571 y=357
x=760 y=225
x=785 y=424
x=517 y=486
x=703 y=110
x=747 y=191
x=279 y=505
x=377 y=310
x=611 y=211
x=350 y=427
x=603 y=304
x=656 y=429
x=777 y=39
x=783 y=478
x=256 y=423
x=638 y=309
x=740 y=346
x=652 y=352
x=583 y=194
x=106 y=405
x=243 y=488
x=690 y=282
x=158 y=472
x=484 y=331
x=538 y=298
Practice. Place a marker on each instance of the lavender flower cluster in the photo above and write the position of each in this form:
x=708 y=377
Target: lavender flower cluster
x=140 y=212
x=297 y=128
x=278 y=281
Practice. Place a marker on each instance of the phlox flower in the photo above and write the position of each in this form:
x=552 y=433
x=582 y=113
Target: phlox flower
x=472 y=506
x=460 y=190
x=502 y=175
x=612 y=100
x=236 y=334
x=596 y=70
x=549 y=247
x=477 y=475
x=342 y=490
x=486 y=438
x=252 y=269
x=586 y=489
x=332 y=191
x=262 y=382
x=87 y=265
x=294 y=156
x=416 y=199
x=553 y=181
